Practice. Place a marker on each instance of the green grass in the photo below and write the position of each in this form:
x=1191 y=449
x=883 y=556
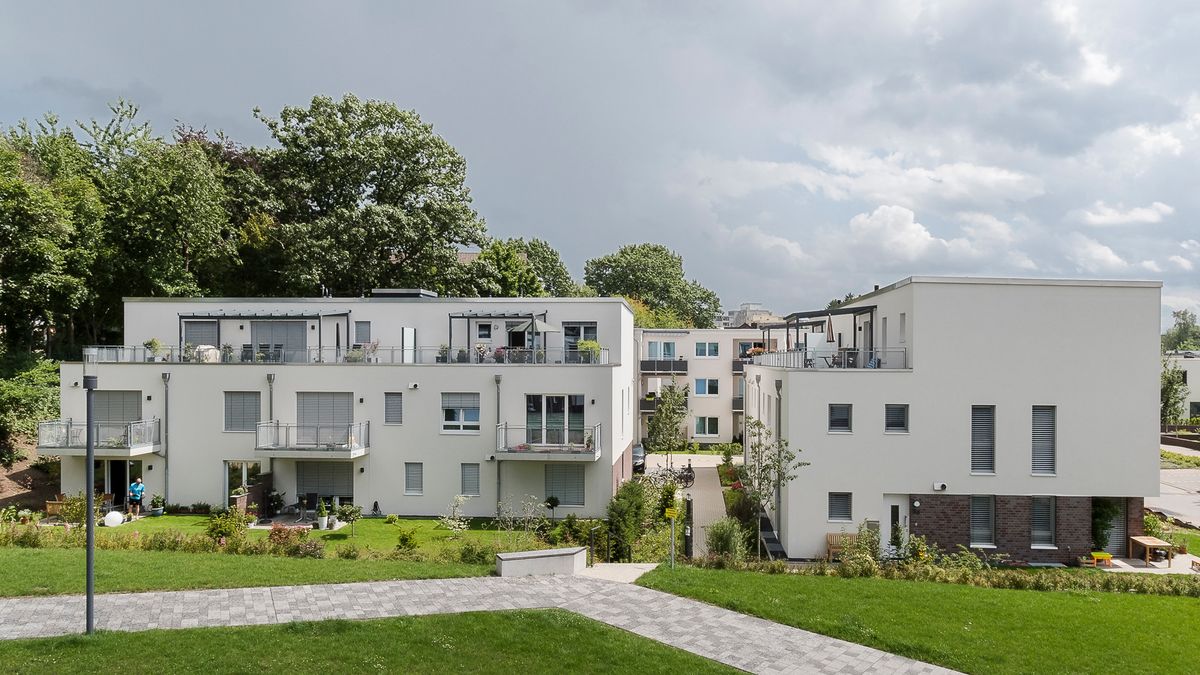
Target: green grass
x=1178 y=460
x=978 y=630
x=538 y=641
x=54 y=571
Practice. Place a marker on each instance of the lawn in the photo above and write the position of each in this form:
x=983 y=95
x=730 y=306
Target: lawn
x=51 y=571
x=1178 y=460
x=976 y=630
x=539 y=641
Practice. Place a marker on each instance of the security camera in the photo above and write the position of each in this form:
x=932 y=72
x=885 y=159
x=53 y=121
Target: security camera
x=414 y=385
x=939 y=487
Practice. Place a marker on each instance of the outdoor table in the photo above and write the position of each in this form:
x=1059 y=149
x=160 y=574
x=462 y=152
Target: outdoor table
x=1149 y=543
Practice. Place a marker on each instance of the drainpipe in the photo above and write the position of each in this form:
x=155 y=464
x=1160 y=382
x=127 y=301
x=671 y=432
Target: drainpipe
x=778 y=437
x=271 y=417
x=166 y=430
x=498 y=377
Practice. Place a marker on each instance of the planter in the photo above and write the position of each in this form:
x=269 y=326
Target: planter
x=322 y=522
x=332 y=522
x=24 y=520
x=239 y=502
x=156 y=512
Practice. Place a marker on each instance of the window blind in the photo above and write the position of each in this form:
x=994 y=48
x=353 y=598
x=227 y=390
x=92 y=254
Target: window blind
x=1042 y=526
x=1044 y=439
x=414 y=478
x=393 y=408
x=470 y=480
x=460 y=400
x=983 y=438
x=198 y=333
x=362 y=332
x=840 y=506
x=895 y=417
x=565 y=481
x=983 y=521
x=242 y=410
x=839 y=417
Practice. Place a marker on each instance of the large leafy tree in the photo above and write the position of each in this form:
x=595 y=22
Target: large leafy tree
x=502 y=270
x=653 y=274
x=1185 y=334
x=1173 y=393
x=548 y=265
x=370 y=197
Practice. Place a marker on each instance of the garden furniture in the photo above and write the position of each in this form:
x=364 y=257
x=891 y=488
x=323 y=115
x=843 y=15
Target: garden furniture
x=1149 y=544
x=834 y=543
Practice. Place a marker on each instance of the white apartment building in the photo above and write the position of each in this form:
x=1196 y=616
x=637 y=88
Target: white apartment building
x=983 y=412
x=710 y=362
x=402 y=399
x=1190 y=365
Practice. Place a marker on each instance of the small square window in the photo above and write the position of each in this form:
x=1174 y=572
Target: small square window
x=895 y=417
x=840 y=507
x=707 y=426
x=484 y=331
x=839 y=417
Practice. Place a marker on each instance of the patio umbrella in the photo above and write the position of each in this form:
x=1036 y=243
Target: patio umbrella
x=829 y=329
x=534 y=326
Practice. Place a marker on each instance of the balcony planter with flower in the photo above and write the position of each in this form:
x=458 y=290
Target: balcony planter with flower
x=482 y=351
x=154 y=349
x=500 y=355
x=589 y=351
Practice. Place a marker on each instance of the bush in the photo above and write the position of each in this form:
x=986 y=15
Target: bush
x=861 y=558
x=391 y=519
x=626 y=514
x=726 y=537
x=476 y=553
x=347 y=551
x=200 y=508
x=227 y=524
x=666 y=500
x=1103 y=511
x=1156 y=525
x=74 y=508
x=406 y=542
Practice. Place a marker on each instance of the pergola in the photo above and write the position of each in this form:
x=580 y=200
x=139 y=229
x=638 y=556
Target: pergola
x=256 y=315
x=470 y=316
x=812 y=319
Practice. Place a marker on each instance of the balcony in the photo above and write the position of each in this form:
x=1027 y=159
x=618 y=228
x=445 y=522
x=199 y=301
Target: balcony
x=664 y=366
x=362 y=355
x=68 y=438
x=548 y=445
x=837 y=360
x=289 y=440
x=649 y=405
x=739 y=365
x=739 y=403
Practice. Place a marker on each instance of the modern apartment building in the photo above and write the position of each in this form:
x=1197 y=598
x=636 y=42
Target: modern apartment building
x=991 y=413
x=402 y=399
x=710 y=362
x=1189 y=363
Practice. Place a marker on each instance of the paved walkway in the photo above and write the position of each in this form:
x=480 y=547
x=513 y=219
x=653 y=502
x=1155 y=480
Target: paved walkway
x=1179 y=495
x=734 y=639
x=708 y=506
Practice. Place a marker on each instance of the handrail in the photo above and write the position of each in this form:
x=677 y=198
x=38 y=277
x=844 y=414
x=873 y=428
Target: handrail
x=68 y=433
x=832 y=359
x=521 y=438
x=362 y=354
x=316 y=437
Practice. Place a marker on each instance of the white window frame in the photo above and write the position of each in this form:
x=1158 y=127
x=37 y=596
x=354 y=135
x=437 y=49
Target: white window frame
x=421 y=489
x=462 y=479
x=358 y=335
x=888 y=430
x=707 y=433
x=459 y=426
x=708 y=381
x=971 y=458
x=708 y=350
x=1053 y=445
x=1053 y=504
x=386 y=394
x=829 y=508
x=481 y=329
x=971 y=522
x=849 y=418
x=224 y=410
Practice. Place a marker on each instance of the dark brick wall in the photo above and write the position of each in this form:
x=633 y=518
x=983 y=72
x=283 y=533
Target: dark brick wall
x=945 y=520
x=1135 y=521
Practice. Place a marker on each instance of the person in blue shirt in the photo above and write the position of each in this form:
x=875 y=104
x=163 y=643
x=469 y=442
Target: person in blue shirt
x=136 y=489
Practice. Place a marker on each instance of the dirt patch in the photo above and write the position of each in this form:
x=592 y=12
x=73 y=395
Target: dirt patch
x=24 y=485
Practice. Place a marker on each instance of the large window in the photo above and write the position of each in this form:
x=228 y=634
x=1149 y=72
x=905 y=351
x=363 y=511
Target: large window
x=242 y=410
x=240 y=474
x=1045 y=461
x=574 y=332
x=707 y=426
x=362 y=332
x=393 y=407
x=660 y=350
x=707 y=350
x=839 y=417
x=895 y=417
x=983 y=520
x=1041 y=529
x=983 y=439
x=414 y=478
x=460 y=412
x=707 y=386
x=841 y=507
x=565 y=481
x=554 y=419
x=470 y=480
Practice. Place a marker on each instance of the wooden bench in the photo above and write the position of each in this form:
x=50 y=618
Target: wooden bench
x=53 y=508
x=836 y=542
x=1196 y=565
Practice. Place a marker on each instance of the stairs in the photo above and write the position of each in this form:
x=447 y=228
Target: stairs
x=766 y=533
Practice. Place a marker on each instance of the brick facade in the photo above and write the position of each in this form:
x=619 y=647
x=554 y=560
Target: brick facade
x=945 y=520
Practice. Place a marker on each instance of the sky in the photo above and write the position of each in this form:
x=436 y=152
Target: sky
x=791 y=152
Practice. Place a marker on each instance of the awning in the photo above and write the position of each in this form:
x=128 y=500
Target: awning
x=534 y=326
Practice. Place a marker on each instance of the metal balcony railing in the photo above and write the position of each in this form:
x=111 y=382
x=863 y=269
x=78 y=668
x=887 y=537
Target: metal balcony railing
x=70 y=433
x=517 y=439
x=314 y=437
x=739 y=403
x=361 y=354
x=668 y=366
x=649 y=405
x=850 y=359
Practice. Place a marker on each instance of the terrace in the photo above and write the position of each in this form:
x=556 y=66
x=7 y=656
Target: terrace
x=365 y=355
x=290 y=440
x=68 y=437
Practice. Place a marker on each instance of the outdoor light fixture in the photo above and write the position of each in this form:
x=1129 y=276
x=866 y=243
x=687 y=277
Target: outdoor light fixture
x=916 y=503
x=91 y=360
x=362 y=469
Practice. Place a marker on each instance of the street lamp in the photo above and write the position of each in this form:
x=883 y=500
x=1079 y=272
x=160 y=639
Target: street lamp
x=90 y=361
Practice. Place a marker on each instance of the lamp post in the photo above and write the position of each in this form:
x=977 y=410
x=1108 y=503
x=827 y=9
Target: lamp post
x=90 y=360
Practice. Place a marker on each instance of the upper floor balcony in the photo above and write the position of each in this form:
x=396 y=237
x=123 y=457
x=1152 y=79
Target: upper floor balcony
x=543 y=444
x=111 y=439
x=739 y=365
x=837 y=359
x=664 y=366
x=739 y=403
x=290 y=440
x=369 y=354
x=649 y=404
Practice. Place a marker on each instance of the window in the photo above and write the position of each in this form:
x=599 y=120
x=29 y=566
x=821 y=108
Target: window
x=565 y=481
x=393 y=408
x=707 y=350
x=554 y=419
x=840 y=507
x=707 y=386
x=903 y=326
x=198 y=333
x=1044 y=440
x=470 y=480
x=241 y=475
x=242 y=410
x=483 y=331
x=574 y=332
x=707 y=426
x=895 y=417
x=983 y=439
x=1041 y=529
x=362 y=332
x=983 y=521
x=839 y=417
x=460 y=412
x=414 y=478
x=661 y=350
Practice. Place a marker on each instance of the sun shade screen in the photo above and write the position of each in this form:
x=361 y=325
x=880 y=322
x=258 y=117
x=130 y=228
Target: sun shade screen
x=839 y=506
x=470 y=479
x=565 y=481
x=198 y=333
x=393 y=408
x=983 y=438
x=242 y=410
x=1042 y=526
x=839 y=417
x=117 y=406
x=982 y=521
x=324 y=478
x=895 y=417
x=414 y=478
x=1044 y=441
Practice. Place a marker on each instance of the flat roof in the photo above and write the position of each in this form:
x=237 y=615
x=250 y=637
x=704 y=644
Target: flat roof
x=386 y=300
x=1010 y=281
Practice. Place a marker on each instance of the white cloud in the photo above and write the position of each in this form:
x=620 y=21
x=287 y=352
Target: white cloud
x=1181 y=262
x=1150 y=266
x=1102 y=214
x=1097 y=69
x=1091 y=256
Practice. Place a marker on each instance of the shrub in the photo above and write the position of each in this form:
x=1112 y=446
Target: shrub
x=391 y=519
x=861 y=558
x=1155 y=525
x=347 y=551
x=726 y=537
x=455 y=521
x=406 y=542
x=476 y=553
x=200 y=508
x=74 y=508
x=626 y=513
x=666 y=499
x=1103 y=511
x=227 y=524
x=27 y=537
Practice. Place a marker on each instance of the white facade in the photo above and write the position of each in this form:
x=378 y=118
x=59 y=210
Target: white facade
x=378 y=428
x=1190 y=365
x=1087 y=350
x=710 y=362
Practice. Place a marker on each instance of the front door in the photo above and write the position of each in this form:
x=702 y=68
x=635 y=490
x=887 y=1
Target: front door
x=893 y=539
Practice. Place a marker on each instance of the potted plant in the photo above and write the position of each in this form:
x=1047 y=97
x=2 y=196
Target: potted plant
x=481 y=352
x=552 y=503
x=189 y=352
x=333 y=517
x=355 y=355
x=500 y=355
x=239 y=499
x=462 y=356
x=157 y=504
x=24 y=515
x=443 y=354
x=275 y=503
x=589 y=350
x=227 y=353
x=322 y=515
x=154 y=348
x=252 y=512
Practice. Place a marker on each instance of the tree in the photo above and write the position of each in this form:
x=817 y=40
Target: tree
x=653 y=274
x=1184 y=335
x=370 y=196
x=547 y=264
x=835 y=303
x=663 y=432
x=770 y=464
x=502 y=271
x=1173 y=394
x=645 y=317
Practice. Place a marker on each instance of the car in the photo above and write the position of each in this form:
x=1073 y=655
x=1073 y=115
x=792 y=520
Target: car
x=639 y=459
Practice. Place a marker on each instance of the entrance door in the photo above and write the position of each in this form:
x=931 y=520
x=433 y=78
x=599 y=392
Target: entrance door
x=1118 y=543
x=896 y=521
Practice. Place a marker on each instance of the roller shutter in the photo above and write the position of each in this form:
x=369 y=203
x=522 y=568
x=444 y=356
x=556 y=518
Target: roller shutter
x=327 y=479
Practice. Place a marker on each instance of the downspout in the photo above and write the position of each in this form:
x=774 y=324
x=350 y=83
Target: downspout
x=166 y=431
x=498 y=377
x=271 y=417
x=778 y=438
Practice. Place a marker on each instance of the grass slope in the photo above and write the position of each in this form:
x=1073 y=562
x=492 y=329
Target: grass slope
x=58 y=571
x=540 y=641
x=977 y=630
